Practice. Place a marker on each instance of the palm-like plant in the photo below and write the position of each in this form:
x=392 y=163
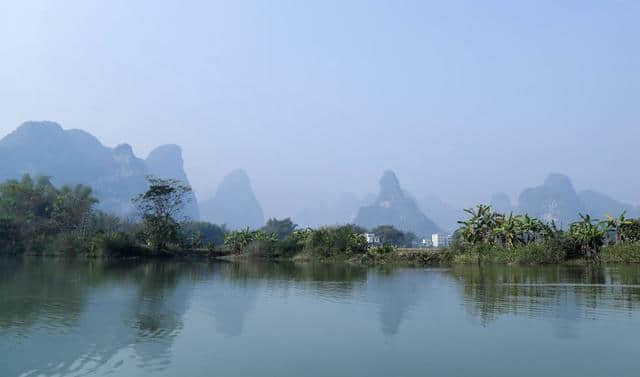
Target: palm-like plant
x=480 y=226
x=617 y=224
x=238 y=240
x=532 y=228
x=508 y=229
x=590 y=233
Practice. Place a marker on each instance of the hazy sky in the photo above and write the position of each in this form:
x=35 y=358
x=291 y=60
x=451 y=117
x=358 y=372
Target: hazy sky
x=314 y=98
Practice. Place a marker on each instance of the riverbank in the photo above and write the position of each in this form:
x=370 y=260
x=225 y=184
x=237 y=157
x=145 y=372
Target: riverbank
x=528 y=255
x=413 y=257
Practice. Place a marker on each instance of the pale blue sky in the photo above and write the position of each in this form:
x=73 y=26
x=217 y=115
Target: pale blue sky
x=460 y=98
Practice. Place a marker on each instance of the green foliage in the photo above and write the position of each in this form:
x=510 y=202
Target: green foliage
x=33 y=214
x=385 y=249
x=532 y=253
x=489 y=233
x=116 y=244
x=9 y=236
x=280 y=228
x=159 y=207
x=36 y=217
x=389 y=235
x=334 y=241
x=489 y=227
x=541 y=253
x=238 y=241
x=199 y=234
x=627 y=252
x=590 y=235
x=324 y=242
x=630 y=231
x=72 y=208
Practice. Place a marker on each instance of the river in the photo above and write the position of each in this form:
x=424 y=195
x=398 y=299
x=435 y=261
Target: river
x=163 y=318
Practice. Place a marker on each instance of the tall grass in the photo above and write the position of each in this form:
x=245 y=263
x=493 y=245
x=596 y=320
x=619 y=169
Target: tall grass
x=533 y=253
x=621 y=253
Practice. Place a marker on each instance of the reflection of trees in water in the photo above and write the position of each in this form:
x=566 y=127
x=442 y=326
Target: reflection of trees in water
x=93 y=310
x=164 y=292
x=324 y=281
x=565 y=293
x=32 y=291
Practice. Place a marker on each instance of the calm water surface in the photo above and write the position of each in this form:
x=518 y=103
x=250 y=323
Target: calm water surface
x=73 y=318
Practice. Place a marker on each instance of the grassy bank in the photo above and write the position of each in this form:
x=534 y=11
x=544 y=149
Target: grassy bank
x=403 y=256
x=543 y=253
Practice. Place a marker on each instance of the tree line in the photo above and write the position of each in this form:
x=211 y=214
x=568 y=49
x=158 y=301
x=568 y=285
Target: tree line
x=487 y=232
x=38 y=218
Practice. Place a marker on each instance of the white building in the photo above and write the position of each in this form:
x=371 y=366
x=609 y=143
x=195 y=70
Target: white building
x=440 y=240
x=372 y=239
x=426 y=243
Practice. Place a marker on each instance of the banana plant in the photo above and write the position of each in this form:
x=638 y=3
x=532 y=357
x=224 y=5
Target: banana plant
x=590 y=233
x=508 y=230
x=479 y=228
x=617 y=225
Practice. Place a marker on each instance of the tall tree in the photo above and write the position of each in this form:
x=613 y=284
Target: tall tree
x=159 y=207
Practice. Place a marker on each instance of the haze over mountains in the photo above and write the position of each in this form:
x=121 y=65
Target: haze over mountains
x=557 y=200
x=117 y=175
x=395 y=207
x=75 y=156
x=234 y=203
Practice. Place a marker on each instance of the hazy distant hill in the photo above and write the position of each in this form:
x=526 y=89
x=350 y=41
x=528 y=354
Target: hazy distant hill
x=500 y=202
x=330 y=211
x=394 y=207
x=599 y=205
x=234 y=203
x=443 y=214
x=75 y=156
x=557 y=200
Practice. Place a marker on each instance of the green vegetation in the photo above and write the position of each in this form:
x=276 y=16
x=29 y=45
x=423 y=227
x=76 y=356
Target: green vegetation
x=390 y=236
x=158 y=207
x=488 y=236
x=35 y=216
x=38 y=218
x=322 y=243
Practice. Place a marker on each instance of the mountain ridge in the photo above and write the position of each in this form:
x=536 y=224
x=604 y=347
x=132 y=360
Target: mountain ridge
x=77 y=157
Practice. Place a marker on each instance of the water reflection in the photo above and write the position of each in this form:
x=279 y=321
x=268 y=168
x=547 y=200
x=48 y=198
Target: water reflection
x=396 y=293
x=567 y=293
x=93 y=310
x=66 y=317
x=232 y=294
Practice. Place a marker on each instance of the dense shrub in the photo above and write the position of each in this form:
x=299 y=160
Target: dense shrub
x=621 y=253
x=334 y=241
x=532 y=253
x=540 y=253
x=116 y=245
x=200 y=234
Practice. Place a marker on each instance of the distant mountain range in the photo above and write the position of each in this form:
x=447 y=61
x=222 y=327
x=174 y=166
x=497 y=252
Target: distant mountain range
x=394 y=206
x=554 y=200
x=75 y=156
x=117 y=175
x=557 y=200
